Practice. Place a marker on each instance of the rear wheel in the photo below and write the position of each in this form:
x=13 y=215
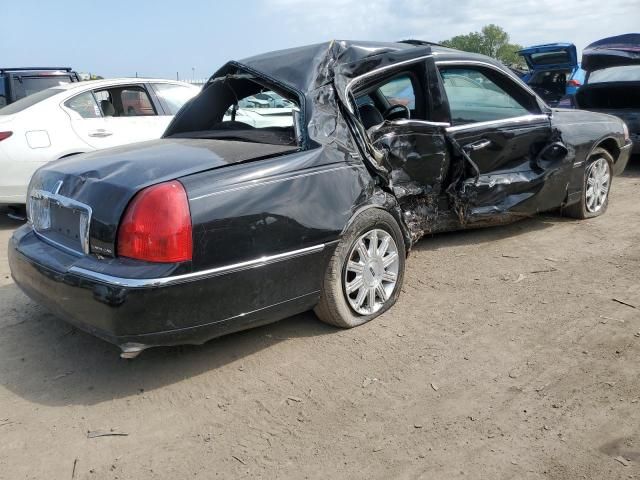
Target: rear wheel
x=365 y=273
x=596 y=186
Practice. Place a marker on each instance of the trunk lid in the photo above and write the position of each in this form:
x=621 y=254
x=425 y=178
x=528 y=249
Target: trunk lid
x=550 y=56
x=611 y=52
x=97 y=187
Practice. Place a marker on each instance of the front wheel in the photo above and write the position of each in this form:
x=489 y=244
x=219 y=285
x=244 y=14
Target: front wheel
x=596 y=186
x=365 y=273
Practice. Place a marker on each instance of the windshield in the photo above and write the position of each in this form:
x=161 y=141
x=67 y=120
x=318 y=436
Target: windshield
x=241 y=106
x=625 y=73
x=29 y=101
x=550 y=58
x=23 y=86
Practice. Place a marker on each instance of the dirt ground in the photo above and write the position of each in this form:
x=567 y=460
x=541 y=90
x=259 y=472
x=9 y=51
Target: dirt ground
x=506 y=357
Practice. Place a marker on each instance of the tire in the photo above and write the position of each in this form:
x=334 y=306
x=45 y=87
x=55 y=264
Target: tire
x=336 y=306
x=588 y=207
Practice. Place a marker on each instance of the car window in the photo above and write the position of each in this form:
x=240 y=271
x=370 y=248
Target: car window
x=241 y=106
x=3 y=93
x=399 y=91
x=136 y=102
x=23 y=86
x=263 y=110
x=173 y=97
x=84 y=105
x=130 y=101
x=474 y=97
x=625 y=73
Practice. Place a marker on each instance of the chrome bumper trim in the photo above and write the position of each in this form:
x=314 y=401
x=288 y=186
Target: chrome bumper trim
x=190 y=277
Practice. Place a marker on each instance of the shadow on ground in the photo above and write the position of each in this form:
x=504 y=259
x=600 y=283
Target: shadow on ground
x=46 y=361
x=7 y=223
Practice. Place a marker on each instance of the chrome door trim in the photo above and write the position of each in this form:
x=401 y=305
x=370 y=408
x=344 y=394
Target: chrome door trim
x=523 y=119
x=426 y=123
x=376 y=71
x=190 y=277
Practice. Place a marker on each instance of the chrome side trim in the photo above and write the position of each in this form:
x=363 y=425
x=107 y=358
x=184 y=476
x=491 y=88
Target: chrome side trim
x=267 y=182
x=410 y=122
x=190 y=277
x=515 y=120
x=377 y=71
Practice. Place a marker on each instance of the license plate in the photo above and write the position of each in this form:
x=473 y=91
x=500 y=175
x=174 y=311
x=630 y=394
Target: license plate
x=60 y=220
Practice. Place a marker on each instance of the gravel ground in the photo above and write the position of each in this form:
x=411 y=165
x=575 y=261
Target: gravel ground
x=505 y=357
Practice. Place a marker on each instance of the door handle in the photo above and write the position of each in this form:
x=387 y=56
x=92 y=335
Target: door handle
x=100 y=133
x=478 y=145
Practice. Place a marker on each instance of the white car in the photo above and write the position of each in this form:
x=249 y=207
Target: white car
x=262 y=117
x=81 y=117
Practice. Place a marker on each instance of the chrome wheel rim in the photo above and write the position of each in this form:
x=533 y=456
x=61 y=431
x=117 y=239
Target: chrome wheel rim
x=598 y=183
x=371 y=272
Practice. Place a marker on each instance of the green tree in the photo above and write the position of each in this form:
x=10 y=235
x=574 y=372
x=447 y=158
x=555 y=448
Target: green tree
x=492 y=41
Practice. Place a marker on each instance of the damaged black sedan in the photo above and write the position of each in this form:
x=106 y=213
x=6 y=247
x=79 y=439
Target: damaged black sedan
x=245 y=213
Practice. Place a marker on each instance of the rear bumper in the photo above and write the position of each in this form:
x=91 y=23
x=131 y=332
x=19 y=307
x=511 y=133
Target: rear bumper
x=137 y=317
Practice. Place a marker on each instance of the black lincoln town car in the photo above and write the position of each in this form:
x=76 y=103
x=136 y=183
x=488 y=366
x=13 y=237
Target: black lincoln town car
x=244 y=214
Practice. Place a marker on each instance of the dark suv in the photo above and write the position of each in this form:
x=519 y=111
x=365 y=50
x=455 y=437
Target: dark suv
x=17 y=83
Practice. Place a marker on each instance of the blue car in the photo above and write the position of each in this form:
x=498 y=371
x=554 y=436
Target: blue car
x=554 y=70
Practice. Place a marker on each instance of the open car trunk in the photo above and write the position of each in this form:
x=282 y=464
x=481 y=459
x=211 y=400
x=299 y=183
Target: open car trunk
x=608 y=96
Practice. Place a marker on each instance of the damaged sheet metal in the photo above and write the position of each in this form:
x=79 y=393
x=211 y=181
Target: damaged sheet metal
x=439 y=178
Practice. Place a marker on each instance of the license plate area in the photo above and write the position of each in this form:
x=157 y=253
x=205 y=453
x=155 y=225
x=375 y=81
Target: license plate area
x=60 y=220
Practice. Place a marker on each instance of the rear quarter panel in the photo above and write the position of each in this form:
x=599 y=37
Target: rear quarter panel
x=582 y=131
x=246 y=211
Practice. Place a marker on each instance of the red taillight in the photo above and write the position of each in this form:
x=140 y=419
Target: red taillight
x=5 y=135
x=157 y=225
x=574 y=83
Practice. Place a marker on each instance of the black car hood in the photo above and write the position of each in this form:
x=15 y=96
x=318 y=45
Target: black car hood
x=107 y=180
x=611 y=52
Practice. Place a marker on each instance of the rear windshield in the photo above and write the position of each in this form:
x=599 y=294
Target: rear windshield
x=23 y=85
x=242 y=107
x=29 y=101
x=550 y=58
x=625 y=73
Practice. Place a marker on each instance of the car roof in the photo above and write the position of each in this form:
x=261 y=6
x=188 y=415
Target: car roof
x=308 y=67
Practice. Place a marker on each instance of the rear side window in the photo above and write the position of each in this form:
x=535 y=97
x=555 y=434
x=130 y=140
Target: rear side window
x=29 y=101
x=173 y=97
x=84 y=105
x=129 y=101
x=399 y=91
x=474 y=97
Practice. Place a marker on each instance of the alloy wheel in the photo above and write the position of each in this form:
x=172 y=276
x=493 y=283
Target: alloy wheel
x=371 y=272
x=598 y=183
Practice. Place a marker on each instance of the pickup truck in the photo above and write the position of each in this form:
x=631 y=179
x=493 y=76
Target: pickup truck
x=17 y=83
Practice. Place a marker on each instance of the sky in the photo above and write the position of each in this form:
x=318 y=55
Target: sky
x=193 y=38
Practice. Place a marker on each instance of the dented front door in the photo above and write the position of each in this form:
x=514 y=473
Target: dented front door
x=505 y=144
x=415 y=154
